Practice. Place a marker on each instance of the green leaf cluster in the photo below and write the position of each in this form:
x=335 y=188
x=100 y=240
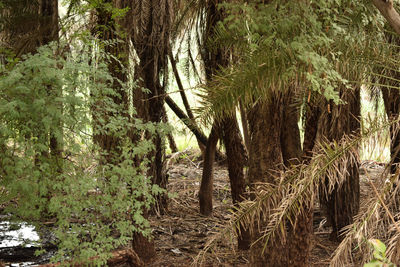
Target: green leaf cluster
x=379 y=254
x=289 y=45
x=68 y=98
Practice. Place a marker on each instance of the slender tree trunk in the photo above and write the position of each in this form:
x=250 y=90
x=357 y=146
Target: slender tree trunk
x=343 y=203
x=170 y=137
x=150 y=28
x=180 y=87
x=192 y=127
x=48 y=27
x=182 y=116
x=172 y=144
x=245 y=126
x=184 y=98
x=206 y=186
x=214 y=59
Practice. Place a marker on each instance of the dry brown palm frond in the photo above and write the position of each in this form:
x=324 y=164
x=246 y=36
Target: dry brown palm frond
x=281 y=204
x=375 y=220
x=378 y=218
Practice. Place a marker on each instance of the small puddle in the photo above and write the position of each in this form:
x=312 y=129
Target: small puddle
x=18 y=243
x=17 y=234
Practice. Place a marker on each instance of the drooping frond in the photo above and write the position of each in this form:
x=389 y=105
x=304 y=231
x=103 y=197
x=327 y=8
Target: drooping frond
x=378 y=218
x=281 y=204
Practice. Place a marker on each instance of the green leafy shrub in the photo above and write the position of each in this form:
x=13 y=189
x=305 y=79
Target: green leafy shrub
x=379 y=254
x=51 y=97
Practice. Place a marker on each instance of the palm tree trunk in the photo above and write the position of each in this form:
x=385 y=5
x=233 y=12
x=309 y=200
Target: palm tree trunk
x=311 y=118
x=149 y=29
x=206 y=186
x=170 y=137
x=110 y=143
x=236 y=158
x=391 y=98
x=274 y=145
x=336 y=122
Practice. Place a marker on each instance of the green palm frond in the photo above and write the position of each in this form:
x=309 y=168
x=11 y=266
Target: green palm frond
x=317 y=47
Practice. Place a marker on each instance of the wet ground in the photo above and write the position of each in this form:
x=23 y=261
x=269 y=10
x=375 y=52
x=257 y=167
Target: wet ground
x=19 y=243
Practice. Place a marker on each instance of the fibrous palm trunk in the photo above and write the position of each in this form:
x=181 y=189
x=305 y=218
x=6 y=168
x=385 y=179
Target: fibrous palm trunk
x=150 y=35
x=336 y=122
x=228 y=128
x=391 y=99
x=108 y=140
x=236 y=157
x=206 y=186
x=104 y=137
x=274 y=145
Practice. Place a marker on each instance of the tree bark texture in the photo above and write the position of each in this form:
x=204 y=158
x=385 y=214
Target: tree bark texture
x=149 y=30
x=206 y=186
x=391 y=100
x=215 y=58
x=237 y=157
x=104 y=137
x=265 y=160
x=109 y=142
x=21 y=23
x=274 y=145
x=336 y=122
x=245 y=125
x=48 y=32
x=389 y=13
x=311 y=118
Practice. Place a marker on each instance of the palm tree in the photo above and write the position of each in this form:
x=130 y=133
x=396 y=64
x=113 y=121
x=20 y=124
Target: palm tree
x=279 y=66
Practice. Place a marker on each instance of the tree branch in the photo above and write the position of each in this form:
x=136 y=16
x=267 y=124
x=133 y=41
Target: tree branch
x=389 y=13
x=180 y=86
x=181 y=115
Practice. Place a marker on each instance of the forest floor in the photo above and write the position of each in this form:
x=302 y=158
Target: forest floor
x=182 y=232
